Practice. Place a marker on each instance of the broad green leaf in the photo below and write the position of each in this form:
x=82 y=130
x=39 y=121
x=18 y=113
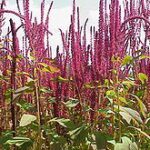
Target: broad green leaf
x=140 y=93
x=104 y=112
x=127 y=60
x=123 y=100
x=63 y=122
x=24 y=105
x=30 y=82
x=16 y=96
x=71 y=103
x=135 y=115
x=126 y=144
x=5 y=136
x=128 y=83
x=126 y=116
x=113 y=142
x=79 y=133
x=121 y=146
x=143 y=77
x=27 y=119
x=126 y=140
x=18 y=141
x=22 y=89
x=101 y=140
x=133 y=146
x=143 y=108
x=111 y=94
x=48 y=68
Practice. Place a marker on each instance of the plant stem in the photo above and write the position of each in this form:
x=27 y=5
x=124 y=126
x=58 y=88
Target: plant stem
x=13 y=75
x=118 y=103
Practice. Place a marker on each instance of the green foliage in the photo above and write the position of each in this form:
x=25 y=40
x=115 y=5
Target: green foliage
x=24 y=105
x=143 y=77
x=126 y=144
x=22 y=142
x=71 y=103
x=4 y=137
x=111 y=94
x=27 y=119
x=132 y=113
x=67 y=123
x=127 y=60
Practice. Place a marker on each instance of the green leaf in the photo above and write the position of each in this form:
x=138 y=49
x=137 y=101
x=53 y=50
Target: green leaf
x=18 y=141
x=140 y=93
x=101 y=140
x=45 y=90
x=142 y=132
x=23 y=73
x=61 y=79
x=126 y=144
x=143 y=108
x=123 y=100
x=147 y=122
x=106 y=82
x=43 y=64
x=129 y=83
x=127 y=117
x=135 y=115
x=5 y=136
x=63 y=122
x=127 y=60
x=88 y=86
x=16 y=96
x=31 y=57
x=126 y=140
x=79 y=134
x=143 y=77
x=24 y=105
x=121 y=146
x=48 y=68
x=133 y=146
x=111 y=94
x=113 y=142
x=71 y=103
x=144 y=57
x=30 y=82
x=22 y=89
x=27 y=119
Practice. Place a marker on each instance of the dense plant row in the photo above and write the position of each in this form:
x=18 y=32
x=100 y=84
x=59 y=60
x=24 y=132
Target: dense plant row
x=91 y=96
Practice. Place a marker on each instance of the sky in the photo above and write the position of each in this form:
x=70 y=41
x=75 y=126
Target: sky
x=60 y=15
